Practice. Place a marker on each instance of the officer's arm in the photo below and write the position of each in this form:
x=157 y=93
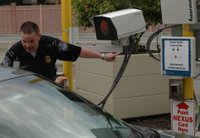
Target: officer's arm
x=88 y=53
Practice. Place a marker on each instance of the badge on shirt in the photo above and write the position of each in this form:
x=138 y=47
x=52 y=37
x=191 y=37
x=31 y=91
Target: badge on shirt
x=47 y=59
x=62 y=46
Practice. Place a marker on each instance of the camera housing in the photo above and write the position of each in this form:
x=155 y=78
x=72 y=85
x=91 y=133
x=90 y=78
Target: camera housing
x=118 y=24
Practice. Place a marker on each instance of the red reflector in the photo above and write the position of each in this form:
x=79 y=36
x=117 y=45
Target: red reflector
x=104 y=27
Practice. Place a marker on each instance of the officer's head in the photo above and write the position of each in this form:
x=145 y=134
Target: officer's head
x=30 y=36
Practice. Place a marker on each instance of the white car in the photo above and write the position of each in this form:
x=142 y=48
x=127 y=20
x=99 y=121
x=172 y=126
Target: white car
x=31 y=106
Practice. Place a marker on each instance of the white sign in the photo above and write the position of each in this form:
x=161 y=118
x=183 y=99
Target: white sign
x=178 y=56
x=183 y=117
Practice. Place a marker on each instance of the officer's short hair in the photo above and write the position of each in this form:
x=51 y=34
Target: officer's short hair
x=29 y=27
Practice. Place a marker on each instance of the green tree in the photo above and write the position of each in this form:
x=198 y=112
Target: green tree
x=151 y=10
x=84 y=9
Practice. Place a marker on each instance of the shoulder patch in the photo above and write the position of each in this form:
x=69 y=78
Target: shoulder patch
x=6 y=61
x=62 y=46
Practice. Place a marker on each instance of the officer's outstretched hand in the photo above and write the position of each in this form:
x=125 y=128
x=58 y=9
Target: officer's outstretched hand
x=110 y=56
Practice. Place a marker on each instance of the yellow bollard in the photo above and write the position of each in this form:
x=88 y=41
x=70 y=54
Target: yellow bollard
x=66 y=15
x=188 y=82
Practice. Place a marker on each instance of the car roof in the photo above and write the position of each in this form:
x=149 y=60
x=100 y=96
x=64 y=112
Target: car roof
x=8 y=73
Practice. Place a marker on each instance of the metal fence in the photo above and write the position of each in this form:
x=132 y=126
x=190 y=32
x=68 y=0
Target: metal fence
x=48 y=17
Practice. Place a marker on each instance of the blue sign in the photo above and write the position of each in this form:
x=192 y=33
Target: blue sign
x=177 y=56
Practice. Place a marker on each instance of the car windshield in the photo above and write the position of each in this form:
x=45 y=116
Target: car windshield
x=33 y=107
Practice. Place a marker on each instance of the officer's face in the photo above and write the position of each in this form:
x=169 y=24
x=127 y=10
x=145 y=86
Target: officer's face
x=30 y=42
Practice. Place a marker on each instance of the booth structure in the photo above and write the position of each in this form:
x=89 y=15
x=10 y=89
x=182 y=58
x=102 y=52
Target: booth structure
x=142 y=91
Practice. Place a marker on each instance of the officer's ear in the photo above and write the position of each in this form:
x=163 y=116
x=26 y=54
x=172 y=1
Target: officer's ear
x=39 y=35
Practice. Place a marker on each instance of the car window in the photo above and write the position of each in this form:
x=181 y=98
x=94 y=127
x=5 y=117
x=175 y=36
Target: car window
x=33 y=107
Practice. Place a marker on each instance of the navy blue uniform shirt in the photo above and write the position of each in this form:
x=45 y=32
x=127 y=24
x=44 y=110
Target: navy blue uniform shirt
x=49 y=50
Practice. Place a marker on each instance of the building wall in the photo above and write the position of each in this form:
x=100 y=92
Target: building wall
x=48 y=17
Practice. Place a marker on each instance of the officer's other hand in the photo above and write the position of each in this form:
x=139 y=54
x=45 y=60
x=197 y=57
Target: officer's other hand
x=61 y=80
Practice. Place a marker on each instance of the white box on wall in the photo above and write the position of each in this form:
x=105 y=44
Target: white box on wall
x=179 y=11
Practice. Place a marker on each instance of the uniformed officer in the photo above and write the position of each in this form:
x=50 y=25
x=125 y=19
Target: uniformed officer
x=38 y=53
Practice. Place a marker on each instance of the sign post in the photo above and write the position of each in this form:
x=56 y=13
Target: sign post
x=178 y=61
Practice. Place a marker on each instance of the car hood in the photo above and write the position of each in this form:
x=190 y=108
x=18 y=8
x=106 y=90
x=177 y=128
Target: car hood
x=31 y=106
x=9 y=73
